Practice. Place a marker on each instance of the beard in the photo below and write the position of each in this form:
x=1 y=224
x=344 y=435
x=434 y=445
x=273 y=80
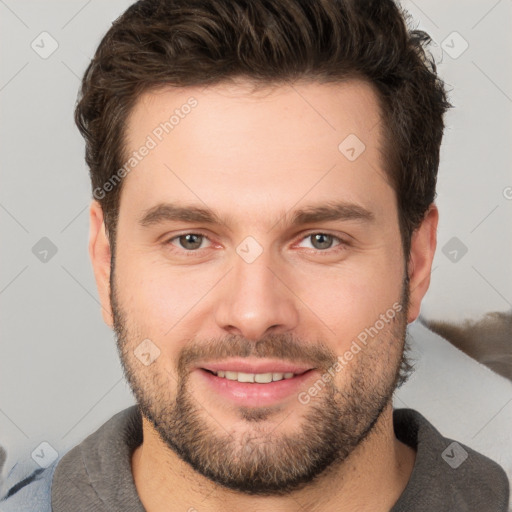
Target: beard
x=261 y=459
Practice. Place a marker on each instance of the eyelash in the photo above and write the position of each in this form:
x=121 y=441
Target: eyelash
x=343 y=244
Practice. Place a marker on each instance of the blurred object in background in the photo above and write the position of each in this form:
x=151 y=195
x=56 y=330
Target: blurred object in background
x=488 y=340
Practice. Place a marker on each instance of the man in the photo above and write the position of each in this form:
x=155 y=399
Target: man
x=264 y=178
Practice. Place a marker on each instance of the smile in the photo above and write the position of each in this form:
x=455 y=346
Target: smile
x=260 y=378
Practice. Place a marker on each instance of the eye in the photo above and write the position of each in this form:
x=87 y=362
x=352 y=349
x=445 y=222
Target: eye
x=188 y=241
x=323 y=241
x=319 y=242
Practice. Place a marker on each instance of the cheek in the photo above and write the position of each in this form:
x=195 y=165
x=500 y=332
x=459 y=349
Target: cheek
x=159 y=299
x=147 y=297
x=351 y=298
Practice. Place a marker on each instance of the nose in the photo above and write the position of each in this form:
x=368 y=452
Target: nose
x=256 y=298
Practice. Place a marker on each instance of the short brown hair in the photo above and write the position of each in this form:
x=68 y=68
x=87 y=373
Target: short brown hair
x=205 y=42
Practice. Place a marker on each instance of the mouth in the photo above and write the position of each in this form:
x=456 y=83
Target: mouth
x=254 y=383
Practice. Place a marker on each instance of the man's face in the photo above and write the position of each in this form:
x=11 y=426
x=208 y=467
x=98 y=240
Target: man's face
x=255 y=294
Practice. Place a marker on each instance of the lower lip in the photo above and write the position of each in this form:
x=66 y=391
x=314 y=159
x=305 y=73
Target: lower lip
x=255 y=394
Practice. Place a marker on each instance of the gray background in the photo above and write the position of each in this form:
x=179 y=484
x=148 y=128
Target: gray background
x=59 y=373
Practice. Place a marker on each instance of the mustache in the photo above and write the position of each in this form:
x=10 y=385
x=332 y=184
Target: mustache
x=274 y=346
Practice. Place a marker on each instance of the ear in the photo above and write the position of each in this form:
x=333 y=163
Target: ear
x=99 y=252
x=423 y=248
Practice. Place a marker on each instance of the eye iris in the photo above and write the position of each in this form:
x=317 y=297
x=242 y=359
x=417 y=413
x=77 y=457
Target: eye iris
x=323 y=240
x=190 y=239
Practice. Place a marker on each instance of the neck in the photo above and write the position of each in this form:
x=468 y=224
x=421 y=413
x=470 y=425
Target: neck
x=371 y=478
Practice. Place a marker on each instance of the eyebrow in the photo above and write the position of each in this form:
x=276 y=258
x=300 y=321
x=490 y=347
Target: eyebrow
x=330 y=211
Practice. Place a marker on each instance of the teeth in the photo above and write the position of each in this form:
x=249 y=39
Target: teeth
x=262 y=378
x=245 y=377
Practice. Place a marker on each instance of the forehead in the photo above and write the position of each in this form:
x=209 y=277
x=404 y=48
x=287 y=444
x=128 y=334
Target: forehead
x=232 y=146
x=241 y=108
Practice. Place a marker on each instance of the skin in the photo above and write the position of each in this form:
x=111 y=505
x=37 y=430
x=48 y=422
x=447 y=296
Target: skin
x=251 y=156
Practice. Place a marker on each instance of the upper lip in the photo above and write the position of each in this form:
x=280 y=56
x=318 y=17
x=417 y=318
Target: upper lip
x=255 y=366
